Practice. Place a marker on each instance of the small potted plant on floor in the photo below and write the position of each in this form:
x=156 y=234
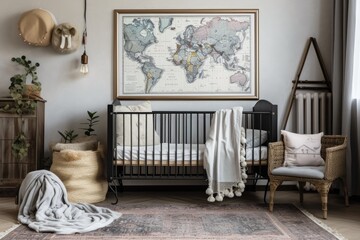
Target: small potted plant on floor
x=71 y=140
x=78 y=162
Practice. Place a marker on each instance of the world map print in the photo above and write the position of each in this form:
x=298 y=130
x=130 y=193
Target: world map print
x=185 y=55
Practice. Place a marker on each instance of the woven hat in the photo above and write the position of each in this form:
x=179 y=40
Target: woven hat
x=35 y=27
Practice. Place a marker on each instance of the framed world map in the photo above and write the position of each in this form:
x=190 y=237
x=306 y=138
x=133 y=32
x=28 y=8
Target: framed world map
x=186 y=54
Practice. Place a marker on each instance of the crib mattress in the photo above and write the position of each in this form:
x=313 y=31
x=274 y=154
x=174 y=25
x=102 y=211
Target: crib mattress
x=166 y=154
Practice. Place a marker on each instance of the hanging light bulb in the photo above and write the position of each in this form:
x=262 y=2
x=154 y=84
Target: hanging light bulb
x=84 y=58
x=84 y=63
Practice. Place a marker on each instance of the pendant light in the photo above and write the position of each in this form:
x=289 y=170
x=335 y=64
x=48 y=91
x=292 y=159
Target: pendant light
x=84 y=63
x=84 y=58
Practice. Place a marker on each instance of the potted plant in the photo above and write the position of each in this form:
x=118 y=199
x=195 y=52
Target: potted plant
x=23 y=96
x=69 y=136
x=71 y=140
x=78 y=162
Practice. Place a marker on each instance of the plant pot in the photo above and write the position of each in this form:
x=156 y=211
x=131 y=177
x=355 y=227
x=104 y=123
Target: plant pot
x=31 y=91
x=82 y=173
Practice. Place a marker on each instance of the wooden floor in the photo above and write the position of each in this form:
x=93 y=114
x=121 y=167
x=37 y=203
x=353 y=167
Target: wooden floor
x=345 y=220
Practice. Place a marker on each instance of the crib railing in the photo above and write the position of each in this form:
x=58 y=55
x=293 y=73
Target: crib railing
x=174 y=130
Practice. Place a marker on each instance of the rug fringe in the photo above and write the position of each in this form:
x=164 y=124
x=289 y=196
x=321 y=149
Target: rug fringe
x=320 y=223
x=4 y=233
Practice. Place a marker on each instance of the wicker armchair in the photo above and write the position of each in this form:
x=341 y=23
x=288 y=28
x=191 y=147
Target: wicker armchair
x=333 y=151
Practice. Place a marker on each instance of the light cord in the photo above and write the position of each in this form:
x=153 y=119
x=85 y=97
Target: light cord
x=85 y=27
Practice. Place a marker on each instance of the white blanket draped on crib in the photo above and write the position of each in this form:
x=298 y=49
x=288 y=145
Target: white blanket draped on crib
x=224 y=156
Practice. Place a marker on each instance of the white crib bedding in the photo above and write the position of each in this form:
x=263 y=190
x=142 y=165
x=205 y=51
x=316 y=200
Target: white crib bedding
x=260 y=153
x=170 y=154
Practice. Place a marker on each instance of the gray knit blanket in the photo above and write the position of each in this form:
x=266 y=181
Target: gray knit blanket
x=44 y=207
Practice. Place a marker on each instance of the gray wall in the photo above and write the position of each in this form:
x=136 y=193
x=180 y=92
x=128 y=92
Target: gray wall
x=284 y=29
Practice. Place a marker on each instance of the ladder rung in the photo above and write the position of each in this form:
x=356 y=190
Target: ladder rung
x=312 y=88
x=310 y=82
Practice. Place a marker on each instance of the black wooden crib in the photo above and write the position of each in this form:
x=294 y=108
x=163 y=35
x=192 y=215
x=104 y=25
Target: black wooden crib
x=169 y=145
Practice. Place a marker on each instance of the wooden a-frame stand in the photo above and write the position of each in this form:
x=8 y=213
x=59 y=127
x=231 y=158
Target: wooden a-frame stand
x=306 y=84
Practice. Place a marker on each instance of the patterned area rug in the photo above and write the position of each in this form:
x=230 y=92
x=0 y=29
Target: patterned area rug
x=198 y=221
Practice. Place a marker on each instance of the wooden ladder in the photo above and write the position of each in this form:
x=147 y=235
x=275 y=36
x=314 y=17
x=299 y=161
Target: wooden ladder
x=306 y=84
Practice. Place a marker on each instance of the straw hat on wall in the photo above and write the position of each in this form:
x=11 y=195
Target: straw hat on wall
x=35 y=27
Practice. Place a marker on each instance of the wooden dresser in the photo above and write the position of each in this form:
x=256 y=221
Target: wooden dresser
x=12 y=170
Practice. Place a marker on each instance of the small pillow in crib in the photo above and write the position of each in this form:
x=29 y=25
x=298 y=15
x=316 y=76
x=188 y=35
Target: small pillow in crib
x=134 y=130
x=302 y=149
x=255 y=137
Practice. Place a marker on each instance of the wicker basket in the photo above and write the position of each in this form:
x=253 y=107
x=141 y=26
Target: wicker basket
x=82 y=173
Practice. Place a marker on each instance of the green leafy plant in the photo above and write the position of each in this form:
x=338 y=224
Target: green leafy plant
x=92 y=121
x=20 y=146
x=68 y=135
x=22 y=103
